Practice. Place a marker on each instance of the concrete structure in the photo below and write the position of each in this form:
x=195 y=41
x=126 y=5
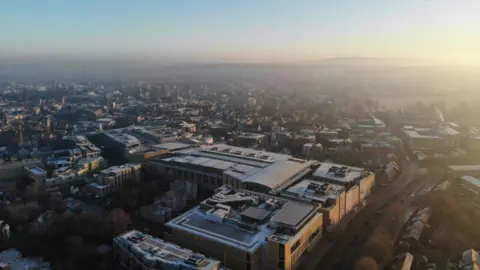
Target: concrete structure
x=337 y=189
x=87 y=148
x=326 y=134
x=249 y=140
x=63 y=180
x=91 y=164
x=142 y=251
x=117 y=175
x=148 y=152
x=431 y=138
x=249 y=230
x=189 y=127
x=220 y=164
x=121 y=139
x=312 y=150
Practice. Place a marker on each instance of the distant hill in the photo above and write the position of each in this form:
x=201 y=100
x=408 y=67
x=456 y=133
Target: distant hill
x=378 y=61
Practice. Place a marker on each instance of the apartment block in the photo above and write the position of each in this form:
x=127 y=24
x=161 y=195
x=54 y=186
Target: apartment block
x=117 y=175
x=248 y=230
x=136 y=250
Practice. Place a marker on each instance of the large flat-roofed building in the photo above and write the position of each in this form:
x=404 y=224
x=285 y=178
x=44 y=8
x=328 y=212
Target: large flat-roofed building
x=121 y=139
x=141 y=143
x=147 y=152
x=222 y=164
x=249 y=230
x=250 y=140
x=336 y=188
x=142 y=251
x=461 y=170
x=431 y=138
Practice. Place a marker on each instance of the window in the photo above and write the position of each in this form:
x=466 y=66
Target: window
x=281 y=252
x=281 y=265
x=314 y=234
x=295 y=246
x=248 y=257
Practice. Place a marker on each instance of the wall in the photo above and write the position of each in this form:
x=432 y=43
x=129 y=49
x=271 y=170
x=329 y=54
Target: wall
x=352 y=197
x=366 y=186
x=331 y=216
x=292 y=259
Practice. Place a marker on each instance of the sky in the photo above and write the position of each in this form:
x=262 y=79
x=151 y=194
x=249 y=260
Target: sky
x=242 y=30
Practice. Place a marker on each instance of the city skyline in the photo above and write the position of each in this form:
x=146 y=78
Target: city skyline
x=246 y=31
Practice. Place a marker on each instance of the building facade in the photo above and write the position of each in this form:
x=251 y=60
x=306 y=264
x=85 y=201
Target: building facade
x=117 y=175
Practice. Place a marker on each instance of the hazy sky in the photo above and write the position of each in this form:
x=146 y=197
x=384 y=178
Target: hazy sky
x=243 y=30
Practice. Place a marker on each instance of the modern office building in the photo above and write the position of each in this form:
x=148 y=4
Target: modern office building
x=250 y=140
x=436 y=138
x=63 y=180
x=117 y=175
x=222 y=164
x=248 y=230
x=336 y=188
x=91 y=164
x=142 y=251
x=117 y=138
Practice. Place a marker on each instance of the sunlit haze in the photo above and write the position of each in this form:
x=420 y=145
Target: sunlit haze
x=243 y=31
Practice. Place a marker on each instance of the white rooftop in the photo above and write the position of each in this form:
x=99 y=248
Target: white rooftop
x=472 y=180
x=117 y=169
x=338 y=173
x=151 y=250
x=242 y=219
x=248 y=165
x=310 y=190
x=465 y=168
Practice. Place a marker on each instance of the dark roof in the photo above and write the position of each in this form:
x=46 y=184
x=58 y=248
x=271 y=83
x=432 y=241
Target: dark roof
x=293 y=214
x=255 y=213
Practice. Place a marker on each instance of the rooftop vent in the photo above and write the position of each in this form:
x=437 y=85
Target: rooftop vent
x=333 y=169
x=195 y=259
x=341 y=173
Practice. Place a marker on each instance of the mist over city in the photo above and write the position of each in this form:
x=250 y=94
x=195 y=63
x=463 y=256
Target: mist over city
x=249 y=135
